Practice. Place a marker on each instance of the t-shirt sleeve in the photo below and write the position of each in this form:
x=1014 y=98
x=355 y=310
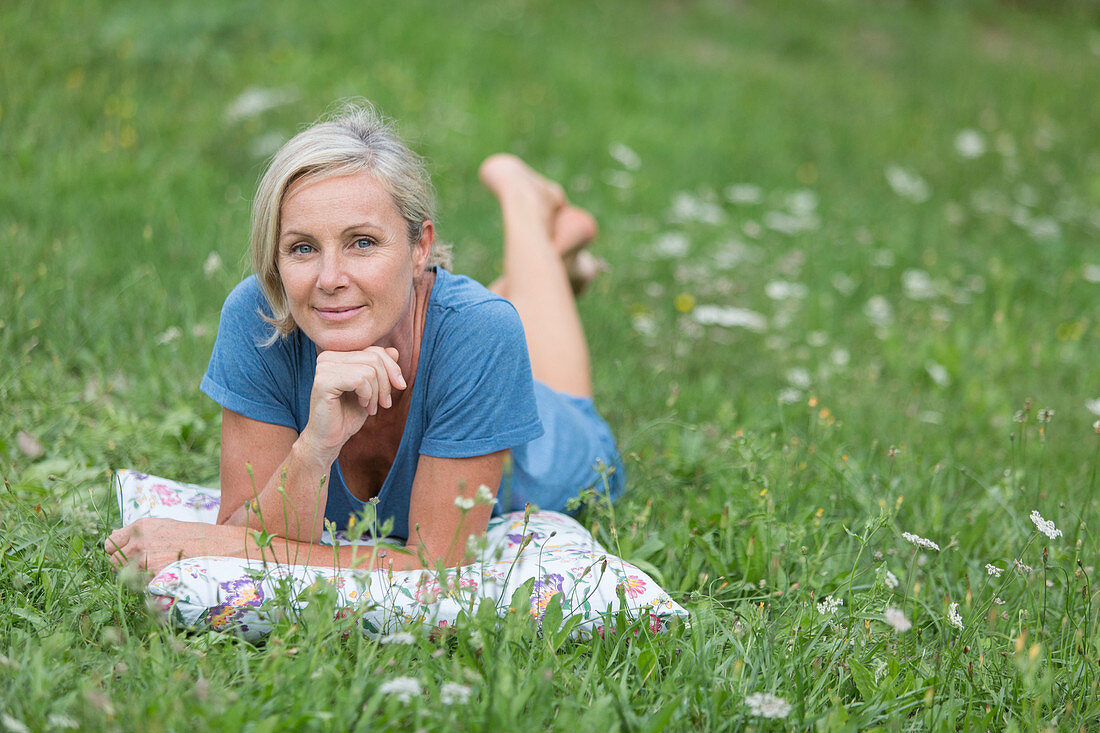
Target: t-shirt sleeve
x=245 y=376
x=481 y=395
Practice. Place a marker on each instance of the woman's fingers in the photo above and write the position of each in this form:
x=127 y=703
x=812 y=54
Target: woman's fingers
x=393 y=369
x=372 y=374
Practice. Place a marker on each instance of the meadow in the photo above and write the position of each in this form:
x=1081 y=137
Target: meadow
x=848 y=342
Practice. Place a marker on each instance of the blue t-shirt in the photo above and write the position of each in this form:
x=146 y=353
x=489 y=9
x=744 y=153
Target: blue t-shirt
x=473 y=393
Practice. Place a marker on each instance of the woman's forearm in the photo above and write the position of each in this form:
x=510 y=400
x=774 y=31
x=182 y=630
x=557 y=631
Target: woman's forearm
x=358 y=557
x=292 y=504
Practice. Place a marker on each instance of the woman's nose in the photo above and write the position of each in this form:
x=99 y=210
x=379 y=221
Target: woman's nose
x=333 y=275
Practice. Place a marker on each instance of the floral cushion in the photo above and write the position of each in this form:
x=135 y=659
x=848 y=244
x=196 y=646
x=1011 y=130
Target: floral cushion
x=551 y=551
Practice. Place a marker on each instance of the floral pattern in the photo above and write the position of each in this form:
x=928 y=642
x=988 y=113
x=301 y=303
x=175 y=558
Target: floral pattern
x=561 y=559
x=240 y=594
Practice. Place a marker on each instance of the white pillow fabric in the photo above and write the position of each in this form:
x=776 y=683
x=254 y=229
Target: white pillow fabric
x=246 y=595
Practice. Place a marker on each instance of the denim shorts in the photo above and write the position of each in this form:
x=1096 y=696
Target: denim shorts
x=566 y=459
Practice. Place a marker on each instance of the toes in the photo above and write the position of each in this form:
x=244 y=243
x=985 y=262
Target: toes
x=572 y=229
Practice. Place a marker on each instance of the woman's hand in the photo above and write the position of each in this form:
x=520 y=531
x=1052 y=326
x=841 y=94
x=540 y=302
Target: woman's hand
x=152 y=543
x=348 y=387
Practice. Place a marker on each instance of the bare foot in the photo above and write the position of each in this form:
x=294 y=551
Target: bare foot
x=569 y=228
x=572 y=229
x=514 y=182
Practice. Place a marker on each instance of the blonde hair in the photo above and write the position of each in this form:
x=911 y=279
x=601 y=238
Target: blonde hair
x=353 y=139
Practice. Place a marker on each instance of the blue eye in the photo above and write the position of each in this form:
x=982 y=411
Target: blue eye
x=302 y=248
x=364 y=243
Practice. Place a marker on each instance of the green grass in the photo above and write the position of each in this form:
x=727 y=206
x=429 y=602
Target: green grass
x=120 y=175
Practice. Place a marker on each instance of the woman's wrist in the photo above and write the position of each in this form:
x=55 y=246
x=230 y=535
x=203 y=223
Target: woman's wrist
x=305 y=454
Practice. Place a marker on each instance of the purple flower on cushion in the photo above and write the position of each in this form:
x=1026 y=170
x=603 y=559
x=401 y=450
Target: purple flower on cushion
x=517 y=539
x=544 y=589
x=548 y=582
x=240 y=595
x=204 y=501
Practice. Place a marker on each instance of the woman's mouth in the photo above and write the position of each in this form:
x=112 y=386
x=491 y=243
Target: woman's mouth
x=339 y=313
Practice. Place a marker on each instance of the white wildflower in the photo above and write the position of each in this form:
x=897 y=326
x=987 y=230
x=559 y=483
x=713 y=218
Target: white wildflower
x=169 y=335
x=1093 y=406
x=888 y=579
x=645 y=324
x=897 y=620
x=789 y=396
x=15 y=725
x=254 y=101
x=1022 y=567
x=57 y=720
x=729 y=317
x=767 y=705
x=731 y=253
x=454 y=693
x=688 y=207
x=1045 y=415
x=993 y=570
x=1044 y=526
x=671 y=245
x=475 y=543
x=403 y=688
x=840 y=357
x=954 y=617
x=920 y=541
x=802 y=202
x=626 y=156
x=938 y=373
x=918 y=285
x=970 y=144
x=783 y=290
x=28 y=445
x=618 y=179
x=1044 y=227
x=1091 y=273
x=798 y=377
x=212 y=264
x=785 y=223
x=843 y=283
x=829 y=606
x=744 y=193
x=907 y=184
x=485 y=496
x=464 y=503
x=998 y=601
x=878 y=311
x=400 y=637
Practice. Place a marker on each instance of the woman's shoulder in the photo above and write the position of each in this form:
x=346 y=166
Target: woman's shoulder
x=247 y=297
x=463 y=296
x=245 y=323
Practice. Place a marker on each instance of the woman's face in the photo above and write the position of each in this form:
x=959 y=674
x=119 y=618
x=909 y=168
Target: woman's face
x=346 y=262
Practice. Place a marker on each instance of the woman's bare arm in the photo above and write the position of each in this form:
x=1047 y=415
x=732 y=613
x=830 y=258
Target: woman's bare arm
x=438 y=528
x=260 y=462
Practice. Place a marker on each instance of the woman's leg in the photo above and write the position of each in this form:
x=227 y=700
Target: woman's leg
x=543 y=236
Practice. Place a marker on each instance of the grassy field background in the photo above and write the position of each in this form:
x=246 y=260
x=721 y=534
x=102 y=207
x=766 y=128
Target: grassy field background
x=899 y=202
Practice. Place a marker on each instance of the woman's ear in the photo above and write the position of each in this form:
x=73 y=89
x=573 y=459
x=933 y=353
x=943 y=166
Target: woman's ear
x=422 y=249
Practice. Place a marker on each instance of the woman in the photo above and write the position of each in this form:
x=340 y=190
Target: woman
x=353 y=367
